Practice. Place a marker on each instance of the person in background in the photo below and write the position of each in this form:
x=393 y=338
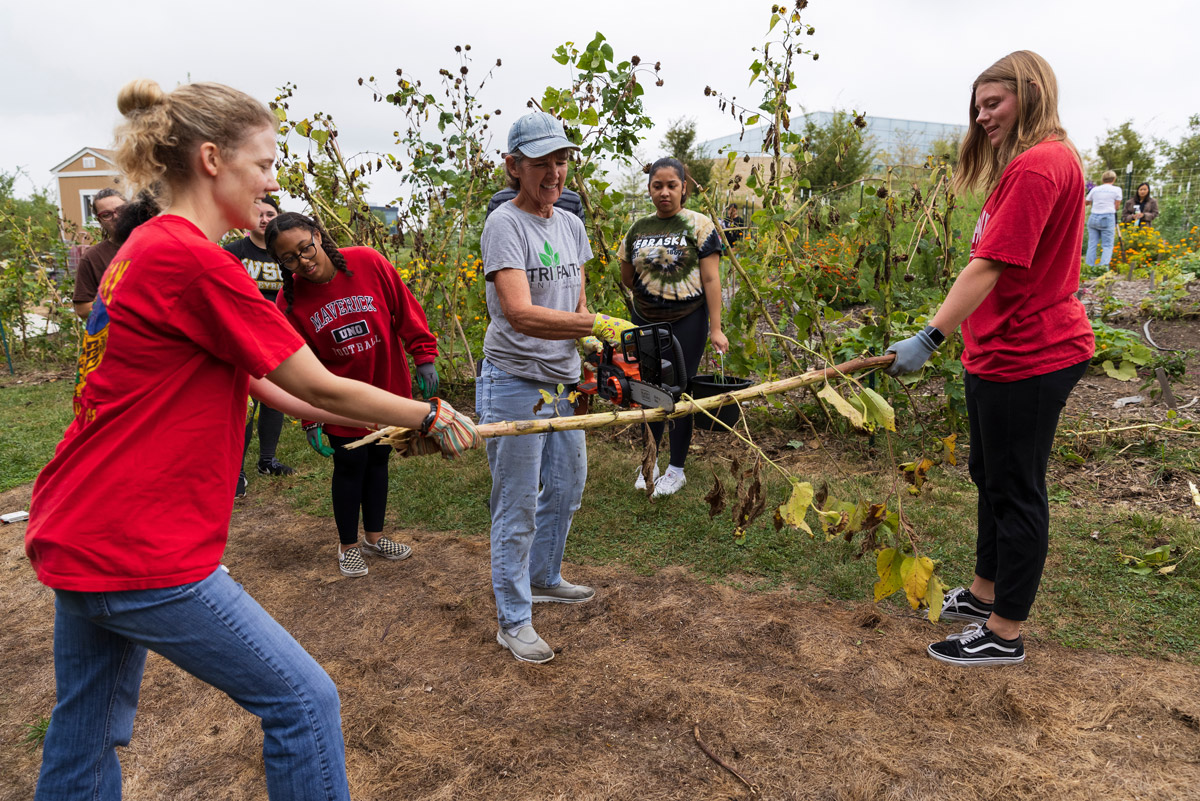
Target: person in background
x=735 y=226
x=359 y=318
x=1027 y=342
x=533 y=258
x=1141 y=209
x=1104 y=199
x=107 y=206
x=136 y=565
x=251 y=250
x=569 y=201
x=669 y=261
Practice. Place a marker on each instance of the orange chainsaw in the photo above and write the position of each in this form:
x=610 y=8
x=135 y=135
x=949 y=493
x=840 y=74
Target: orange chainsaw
x=646 y=369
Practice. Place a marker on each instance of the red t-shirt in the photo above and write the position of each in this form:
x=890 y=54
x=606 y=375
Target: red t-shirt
x=140 y=490
x=1031 y=323
x=359 y=325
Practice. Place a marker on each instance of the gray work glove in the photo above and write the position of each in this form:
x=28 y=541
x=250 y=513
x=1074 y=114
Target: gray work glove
x=911 y=353
x=427 y=379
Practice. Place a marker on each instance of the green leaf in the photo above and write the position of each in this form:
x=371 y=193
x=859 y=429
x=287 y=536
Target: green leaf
x=878 y=410
x=320 y=137
x=1126 y=372
x=935 y=596
x=589 y=117
x=544 y=259
x=280 y=113
x=751 y=120
x=546 y=396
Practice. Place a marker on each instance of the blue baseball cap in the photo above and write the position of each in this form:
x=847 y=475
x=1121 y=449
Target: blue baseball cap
x=537 y=134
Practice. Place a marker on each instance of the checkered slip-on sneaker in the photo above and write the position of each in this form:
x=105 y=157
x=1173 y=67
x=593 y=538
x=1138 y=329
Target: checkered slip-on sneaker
x=351 y=562
x=960 y=604
x=386 y=549
x=978 y=645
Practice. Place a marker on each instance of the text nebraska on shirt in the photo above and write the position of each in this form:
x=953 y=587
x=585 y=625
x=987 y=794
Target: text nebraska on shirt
x=336 y=308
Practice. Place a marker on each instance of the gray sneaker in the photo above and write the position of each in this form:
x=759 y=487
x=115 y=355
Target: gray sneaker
x=564 y=593
x=526 y=645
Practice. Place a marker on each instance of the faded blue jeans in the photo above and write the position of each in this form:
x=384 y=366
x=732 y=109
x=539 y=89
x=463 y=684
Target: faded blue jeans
x=212 y=629
x=1101 y=227
x=537 y=485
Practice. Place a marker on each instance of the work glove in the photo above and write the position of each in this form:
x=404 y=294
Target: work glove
x=445 y=430
x=610 y=328
x=911 y=353
x=590 y=345
x=427 y=379
x=313 y=432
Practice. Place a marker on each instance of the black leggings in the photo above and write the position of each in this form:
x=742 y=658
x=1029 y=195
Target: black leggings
x=360 y=479
x=1012 y=431
x=270 y=423
x=692 y=333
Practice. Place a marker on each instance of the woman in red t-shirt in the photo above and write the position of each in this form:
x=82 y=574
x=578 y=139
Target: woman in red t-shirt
x=1027 y=342
x=178 y=336
x=359 y=318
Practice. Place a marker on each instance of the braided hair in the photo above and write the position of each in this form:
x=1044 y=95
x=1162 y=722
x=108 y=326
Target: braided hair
x=289 y=220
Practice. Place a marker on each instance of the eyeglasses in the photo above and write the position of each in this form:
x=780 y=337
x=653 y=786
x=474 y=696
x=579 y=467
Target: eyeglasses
x=306 y=253
x=105 y=216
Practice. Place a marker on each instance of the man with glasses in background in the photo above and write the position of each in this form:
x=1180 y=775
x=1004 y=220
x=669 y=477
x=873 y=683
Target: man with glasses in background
x=106 y=205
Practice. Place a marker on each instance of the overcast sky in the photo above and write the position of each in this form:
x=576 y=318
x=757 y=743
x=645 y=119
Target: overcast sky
x=63 y=61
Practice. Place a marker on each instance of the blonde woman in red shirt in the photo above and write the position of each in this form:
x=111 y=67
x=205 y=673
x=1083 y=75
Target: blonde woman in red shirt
x=1027 y=342
x=177 y=339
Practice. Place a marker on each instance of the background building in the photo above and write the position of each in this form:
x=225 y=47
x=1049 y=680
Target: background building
x=79 y=178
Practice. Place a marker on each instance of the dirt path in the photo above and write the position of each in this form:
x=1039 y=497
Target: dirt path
x=808 y=701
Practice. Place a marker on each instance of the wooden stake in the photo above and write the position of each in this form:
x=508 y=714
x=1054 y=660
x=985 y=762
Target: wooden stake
x=1168 y=395
x=396 y=435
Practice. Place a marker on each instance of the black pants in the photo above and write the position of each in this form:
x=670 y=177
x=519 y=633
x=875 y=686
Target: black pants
x=1012 y=432
x=270 y=423
x=692 y=333
x=360 y=480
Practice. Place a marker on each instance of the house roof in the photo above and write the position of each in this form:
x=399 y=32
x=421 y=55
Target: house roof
x=98 y=152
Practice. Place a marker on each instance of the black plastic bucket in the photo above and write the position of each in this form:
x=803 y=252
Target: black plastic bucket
x=705 y=386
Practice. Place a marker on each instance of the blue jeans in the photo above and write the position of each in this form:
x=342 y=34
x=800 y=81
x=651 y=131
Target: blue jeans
x=529 y=525
x=212 y=629
x=1101 y=227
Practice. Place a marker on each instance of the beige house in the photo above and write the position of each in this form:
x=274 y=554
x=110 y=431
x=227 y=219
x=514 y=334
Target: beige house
x=79 y=179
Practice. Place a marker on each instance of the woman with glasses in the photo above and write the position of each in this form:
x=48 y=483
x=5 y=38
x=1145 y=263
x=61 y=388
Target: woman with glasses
x=178 y=338
x=359 y=318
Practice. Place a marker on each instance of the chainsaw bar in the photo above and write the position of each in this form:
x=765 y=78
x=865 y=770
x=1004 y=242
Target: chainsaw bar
x=650 y=396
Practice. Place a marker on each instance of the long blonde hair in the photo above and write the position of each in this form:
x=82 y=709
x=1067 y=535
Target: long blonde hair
x=1030 y=78
x=162 y=130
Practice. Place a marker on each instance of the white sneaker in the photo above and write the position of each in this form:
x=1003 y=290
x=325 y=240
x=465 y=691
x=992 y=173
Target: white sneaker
x=670 y=483
x=640 y=484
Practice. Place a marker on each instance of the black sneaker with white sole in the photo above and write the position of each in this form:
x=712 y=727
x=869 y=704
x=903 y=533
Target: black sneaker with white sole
x=960 y=604
x=978 y=645
x=274 y=467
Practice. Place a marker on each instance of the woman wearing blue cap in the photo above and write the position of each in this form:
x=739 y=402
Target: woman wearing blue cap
x=533 y=258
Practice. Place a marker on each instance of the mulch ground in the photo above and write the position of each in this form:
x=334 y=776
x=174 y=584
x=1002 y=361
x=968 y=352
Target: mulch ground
x=804 y=700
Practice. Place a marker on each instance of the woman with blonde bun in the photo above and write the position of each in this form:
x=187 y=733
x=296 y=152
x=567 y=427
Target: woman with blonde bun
x=178 y=337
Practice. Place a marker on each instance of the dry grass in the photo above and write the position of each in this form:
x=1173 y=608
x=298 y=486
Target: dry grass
x=808 y=701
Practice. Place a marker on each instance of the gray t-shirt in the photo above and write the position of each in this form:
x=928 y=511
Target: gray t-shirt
x=552 y=252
